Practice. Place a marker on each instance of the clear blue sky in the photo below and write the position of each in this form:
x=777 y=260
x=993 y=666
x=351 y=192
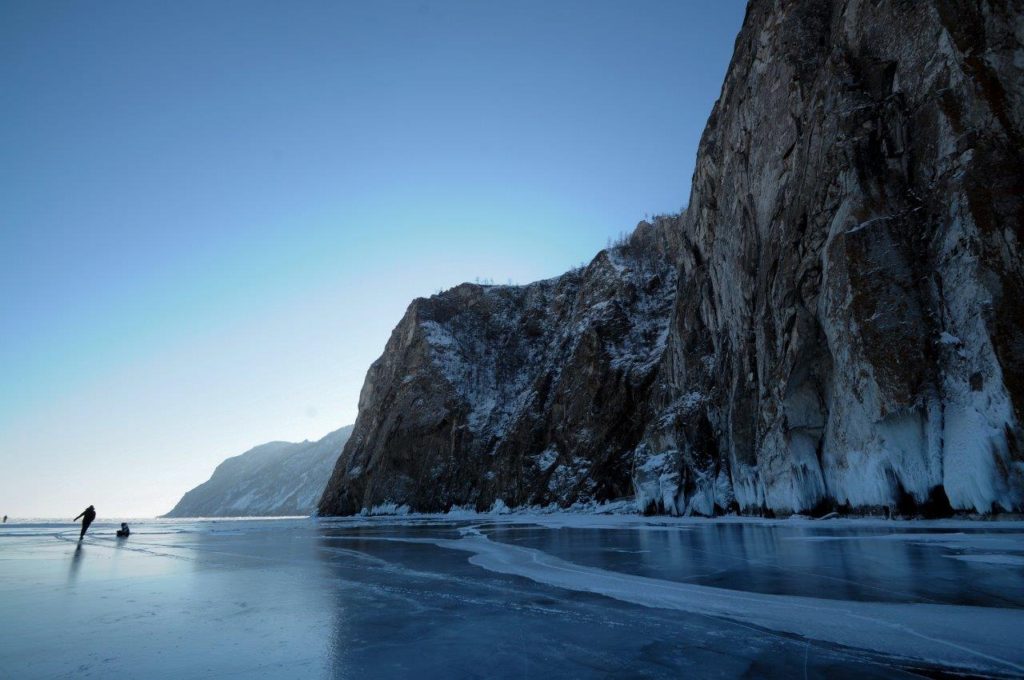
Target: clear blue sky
x=212 y=214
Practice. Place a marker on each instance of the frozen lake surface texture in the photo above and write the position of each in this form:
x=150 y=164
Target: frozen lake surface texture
x=513 y=596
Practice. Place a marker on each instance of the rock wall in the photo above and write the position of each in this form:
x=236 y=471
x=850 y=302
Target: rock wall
x=836 y=320
x=530 y=394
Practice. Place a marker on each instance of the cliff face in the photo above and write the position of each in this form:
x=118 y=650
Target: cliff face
x=837 y=319
x=529 y=394
x=275 y=479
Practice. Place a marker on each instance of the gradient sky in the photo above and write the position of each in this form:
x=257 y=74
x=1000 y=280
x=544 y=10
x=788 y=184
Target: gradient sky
x=212 y=214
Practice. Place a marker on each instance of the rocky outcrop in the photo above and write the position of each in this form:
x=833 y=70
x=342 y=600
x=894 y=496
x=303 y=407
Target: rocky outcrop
x=274 y=479
x=528 y=394
x=836 y=320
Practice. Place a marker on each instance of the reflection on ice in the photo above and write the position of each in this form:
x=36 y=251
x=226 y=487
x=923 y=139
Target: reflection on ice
x=950 y=635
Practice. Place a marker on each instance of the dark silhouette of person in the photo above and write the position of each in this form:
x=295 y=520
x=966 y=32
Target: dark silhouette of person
x=88 y=515
x=124 y=531
x=5 y=519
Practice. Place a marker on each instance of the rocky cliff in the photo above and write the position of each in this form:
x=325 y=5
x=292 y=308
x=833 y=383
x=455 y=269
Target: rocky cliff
x=274 y=479
x=835 y=321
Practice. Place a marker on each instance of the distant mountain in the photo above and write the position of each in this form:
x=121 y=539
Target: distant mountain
x=278 y=478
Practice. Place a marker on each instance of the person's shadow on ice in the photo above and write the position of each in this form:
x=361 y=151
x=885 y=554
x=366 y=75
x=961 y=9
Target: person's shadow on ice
x=76 y=563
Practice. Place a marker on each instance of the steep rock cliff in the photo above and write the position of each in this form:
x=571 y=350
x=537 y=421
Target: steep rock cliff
x=525 y=393
x=836 y=320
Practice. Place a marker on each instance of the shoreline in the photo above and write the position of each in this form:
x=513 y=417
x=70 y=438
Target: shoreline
x=544 y=516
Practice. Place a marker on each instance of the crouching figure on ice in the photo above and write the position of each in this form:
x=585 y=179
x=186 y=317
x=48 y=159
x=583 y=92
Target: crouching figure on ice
x=123 y=531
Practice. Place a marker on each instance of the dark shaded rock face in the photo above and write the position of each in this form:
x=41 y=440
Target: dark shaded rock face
x=531 y=394
x=274 y=479
x=837 y=320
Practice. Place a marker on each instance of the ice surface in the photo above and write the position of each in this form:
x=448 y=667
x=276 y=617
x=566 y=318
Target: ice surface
x=1011 y=560
x=512 y=595
x=950 y=635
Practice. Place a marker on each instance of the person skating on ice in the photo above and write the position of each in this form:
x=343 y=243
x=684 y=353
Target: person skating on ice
x=88 y=515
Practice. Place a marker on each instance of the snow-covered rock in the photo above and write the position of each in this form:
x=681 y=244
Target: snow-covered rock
x=835 y=322
x=524 y=394
x=275 y=479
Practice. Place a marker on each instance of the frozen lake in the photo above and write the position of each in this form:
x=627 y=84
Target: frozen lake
x=513 y=596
